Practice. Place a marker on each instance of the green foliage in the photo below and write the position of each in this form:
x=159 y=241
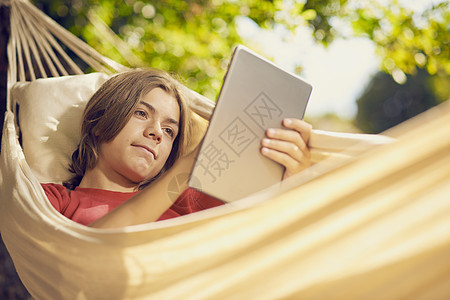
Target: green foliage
x=325 y=11
x=385 y=103
x=406 y=39
x=195 y=38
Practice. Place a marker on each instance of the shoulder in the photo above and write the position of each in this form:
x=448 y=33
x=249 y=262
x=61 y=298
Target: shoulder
x=54 y=189
x=57 y=194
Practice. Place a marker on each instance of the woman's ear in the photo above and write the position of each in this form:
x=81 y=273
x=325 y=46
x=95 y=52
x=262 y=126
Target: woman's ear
x=96 y=132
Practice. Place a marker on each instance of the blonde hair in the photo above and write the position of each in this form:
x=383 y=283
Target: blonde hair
x=111 y=107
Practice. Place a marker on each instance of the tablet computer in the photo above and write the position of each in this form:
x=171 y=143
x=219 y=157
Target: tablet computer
x=255 y=95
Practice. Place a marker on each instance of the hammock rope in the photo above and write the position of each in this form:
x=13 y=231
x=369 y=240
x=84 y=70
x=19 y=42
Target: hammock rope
x=35 y=36
x=38 y=43
x=368 y=220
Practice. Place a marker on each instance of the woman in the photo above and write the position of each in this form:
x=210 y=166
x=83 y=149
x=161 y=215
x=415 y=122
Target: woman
x=135 y=135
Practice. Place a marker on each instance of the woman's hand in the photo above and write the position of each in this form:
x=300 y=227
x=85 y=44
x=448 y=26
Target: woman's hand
x=288 y=146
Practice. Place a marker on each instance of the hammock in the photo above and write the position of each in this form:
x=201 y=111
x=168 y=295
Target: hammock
x=369 y=219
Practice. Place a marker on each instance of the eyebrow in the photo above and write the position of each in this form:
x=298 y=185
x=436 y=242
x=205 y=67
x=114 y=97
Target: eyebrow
x=152 y=109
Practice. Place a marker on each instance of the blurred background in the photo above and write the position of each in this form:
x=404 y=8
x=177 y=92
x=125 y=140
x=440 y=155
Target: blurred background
x=373 y=63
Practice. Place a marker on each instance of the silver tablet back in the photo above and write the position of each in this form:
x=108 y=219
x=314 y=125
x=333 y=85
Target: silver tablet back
x=256 y=95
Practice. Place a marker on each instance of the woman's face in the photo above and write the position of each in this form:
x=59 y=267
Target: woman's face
x=142 y=147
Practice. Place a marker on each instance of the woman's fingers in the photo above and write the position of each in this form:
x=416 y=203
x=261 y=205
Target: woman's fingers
x=292 y=165
x=296 y=150
x=303 y=128
x=288 y=147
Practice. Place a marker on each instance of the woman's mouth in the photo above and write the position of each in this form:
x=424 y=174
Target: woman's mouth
x=147 y=149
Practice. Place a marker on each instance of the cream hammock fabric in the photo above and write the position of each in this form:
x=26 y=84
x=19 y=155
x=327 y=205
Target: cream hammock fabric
x=364 y=222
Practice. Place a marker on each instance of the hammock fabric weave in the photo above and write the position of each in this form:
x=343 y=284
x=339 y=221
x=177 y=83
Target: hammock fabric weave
x=369 y=220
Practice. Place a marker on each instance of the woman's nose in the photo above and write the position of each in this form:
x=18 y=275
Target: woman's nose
x=155 y=132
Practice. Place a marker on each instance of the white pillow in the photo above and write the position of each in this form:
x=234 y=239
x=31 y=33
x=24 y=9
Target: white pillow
x=50 y=112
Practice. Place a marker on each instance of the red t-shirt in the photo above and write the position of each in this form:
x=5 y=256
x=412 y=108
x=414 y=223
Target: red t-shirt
x=85 y=205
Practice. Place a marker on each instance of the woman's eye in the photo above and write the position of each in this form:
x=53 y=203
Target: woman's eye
x=169 y=131
x=140 y=113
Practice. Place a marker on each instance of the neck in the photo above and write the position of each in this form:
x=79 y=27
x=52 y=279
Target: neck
x=98 y=180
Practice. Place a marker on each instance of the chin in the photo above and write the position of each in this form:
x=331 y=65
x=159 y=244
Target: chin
x=142 y=173
x=141 y=178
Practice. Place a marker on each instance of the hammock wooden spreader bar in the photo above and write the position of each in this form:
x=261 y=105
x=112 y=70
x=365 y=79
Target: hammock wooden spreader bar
x=4 y=39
